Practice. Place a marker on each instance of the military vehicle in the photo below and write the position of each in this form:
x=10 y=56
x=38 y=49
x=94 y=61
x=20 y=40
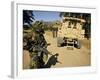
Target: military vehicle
x=70 y=32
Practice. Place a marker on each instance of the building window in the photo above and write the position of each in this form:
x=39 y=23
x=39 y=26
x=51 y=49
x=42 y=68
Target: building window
x=69 y=25
x=74 y=26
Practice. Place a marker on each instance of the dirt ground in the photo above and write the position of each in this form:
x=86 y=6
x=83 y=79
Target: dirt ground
x=68 y=57
x=26 y=59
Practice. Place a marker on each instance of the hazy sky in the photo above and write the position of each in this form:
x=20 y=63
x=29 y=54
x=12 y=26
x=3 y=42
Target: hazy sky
x=46 y=15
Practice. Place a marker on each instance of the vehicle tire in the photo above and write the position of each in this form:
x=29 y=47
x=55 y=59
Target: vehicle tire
x=78 y=45
x=75 y=43
x=59 y=41
x=58 y=45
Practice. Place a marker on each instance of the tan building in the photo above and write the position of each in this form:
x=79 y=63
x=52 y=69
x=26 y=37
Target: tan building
x=70 y=31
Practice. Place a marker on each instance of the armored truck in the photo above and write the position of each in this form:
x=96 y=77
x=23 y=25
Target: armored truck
x=70 y=32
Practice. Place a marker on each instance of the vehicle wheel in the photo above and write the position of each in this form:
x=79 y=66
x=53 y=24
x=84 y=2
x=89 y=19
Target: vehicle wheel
x=58 y=44
x=75 y=44
x=78 y=45
x=59 y=41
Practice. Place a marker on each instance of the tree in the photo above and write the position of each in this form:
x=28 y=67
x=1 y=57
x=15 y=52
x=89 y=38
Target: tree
x=87 y=25
x=64 y=14
x=69 y=14
x=38 y=26
x=28 y=17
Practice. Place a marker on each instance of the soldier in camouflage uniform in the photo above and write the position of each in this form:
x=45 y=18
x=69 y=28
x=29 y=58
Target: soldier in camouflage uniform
x=39 y=50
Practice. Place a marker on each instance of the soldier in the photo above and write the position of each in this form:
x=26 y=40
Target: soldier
x=30 y=43
x=54 y=31
x=40 y=48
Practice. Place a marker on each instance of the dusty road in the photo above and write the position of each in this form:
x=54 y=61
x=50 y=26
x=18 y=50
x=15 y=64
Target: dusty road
x=68 y=58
